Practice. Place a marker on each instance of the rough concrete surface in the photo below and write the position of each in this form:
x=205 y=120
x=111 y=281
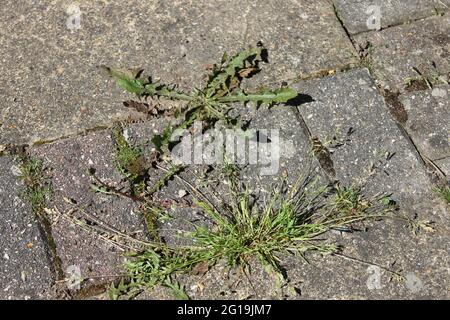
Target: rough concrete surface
x=51 y=86
x=25 y=270
x=400 y=54
x=68 y=162
x=379 y=158
x=428 y=123
x=374 y=151
x=367 y=15
x=377 y=127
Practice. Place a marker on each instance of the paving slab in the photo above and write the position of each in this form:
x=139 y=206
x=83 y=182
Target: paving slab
x=377 y=156
x=397 y=55
x=374 y=151
x=366 y=15
x=428 y=123
x=51 y=87
x=83 y=253
x=421 y=259
x=25 y=266
x=279 y=125
x=223 y=283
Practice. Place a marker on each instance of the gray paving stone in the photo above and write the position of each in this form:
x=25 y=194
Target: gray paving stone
x=51 y=87
x=68 y=161
x=224 y=283
x=221 y=282
x=395 y=52
x=428 y=123
x=351 y=100
x=421 y=259
x=25 y=271
x=294 y=160
x=358 y=15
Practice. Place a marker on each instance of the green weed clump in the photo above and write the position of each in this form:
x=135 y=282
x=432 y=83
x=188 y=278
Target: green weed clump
x=130 y=162
x=288 y=221
x=37 y=186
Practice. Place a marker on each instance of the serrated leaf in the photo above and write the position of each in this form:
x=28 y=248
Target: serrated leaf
x=161 y=141
x=101 y=189
x=140 y=87
x=176 y=288
x=245 y=73
x=219 y=80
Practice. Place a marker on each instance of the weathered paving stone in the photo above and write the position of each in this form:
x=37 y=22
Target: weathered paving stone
x=363 y=15
x=292 y=159
x=225 y=283
x=221 y=282
x=25 y=271
x=349 y=107
x=51 y=87
x=175 y=195
x=395 y=52
x=351 y=100
x=428 y=123
x=80 y=250
x=423 y=261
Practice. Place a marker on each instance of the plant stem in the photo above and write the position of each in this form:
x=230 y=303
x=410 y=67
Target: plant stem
x=174 y=95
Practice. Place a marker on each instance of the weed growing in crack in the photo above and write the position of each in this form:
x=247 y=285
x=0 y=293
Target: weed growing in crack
x=38 y=187
x=366 y=53
x=291 y=220
x=38 y=192
x=130 y=162
x=212 y=103
x=444 y=193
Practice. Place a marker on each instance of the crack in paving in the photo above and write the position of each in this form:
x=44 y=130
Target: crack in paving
x=322 y=155
x=338 y=17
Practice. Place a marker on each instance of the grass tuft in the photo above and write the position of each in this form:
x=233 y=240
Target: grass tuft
x=37 y=186
x=130 y=162
x=290 y=220
x=444 y=193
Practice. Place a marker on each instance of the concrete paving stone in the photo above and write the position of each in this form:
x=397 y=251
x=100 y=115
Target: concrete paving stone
x=222 y=282
x=351 y=102
x=68 y=162
x=428 y=123
x=51 y=87
x=294 y=160
x=366 y=15
x=395 y=52
x=423 y=260
x=25 y=270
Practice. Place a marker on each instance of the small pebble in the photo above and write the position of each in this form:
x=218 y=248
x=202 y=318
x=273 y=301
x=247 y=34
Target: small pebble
x=181 y=193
